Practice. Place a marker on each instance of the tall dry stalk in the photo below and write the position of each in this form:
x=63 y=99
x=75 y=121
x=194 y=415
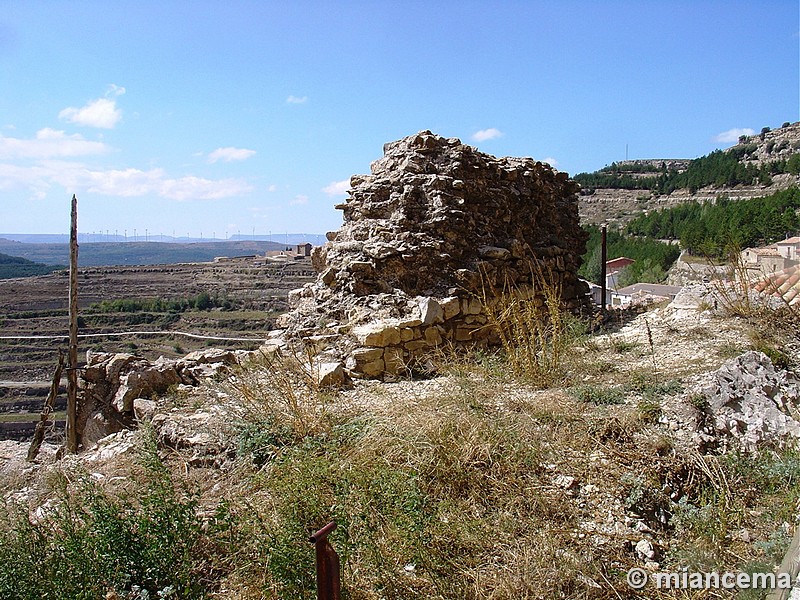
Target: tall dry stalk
x=534 y=329
x=735 y=293
x=282 y=389
x=739 y=295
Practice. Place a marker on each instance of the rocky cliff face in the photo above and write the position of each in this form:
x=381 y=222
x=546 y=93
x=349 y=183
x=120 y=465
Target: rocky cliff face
x=432 y=228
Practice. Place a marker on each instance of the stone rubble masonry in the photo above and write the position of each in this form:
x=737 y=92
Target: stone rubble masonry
x=117 y=387
x=430 y=231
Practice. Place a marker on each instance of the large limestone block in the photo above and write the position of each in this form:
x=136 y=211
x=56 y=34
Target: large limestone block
x=394 y=359
x=431 y=312
x=150 y=380
x=471 y=306
x=331 y=374
x=451 y=306
x=433 y=337
x=379 y=334
x=366 y=355
x=753 y=403
x=372 y=369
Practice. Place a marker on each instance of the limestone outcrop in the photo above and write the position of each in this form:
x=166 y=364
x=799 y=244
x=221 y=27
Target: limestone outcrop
x=116 y=388
x=433 y=229
x=754 y=404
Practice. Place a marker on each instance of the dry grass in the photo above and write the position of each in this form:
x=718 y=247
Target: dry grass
x=734 y=292
x=281 y=388
x=534 y=328
x=478 y=485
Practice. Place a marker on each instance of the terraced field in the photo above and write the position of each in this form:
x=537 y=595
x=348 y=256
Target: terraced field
x=249 y=293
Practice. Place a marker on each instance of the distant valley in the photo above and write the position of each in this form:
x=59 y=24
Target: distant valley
x=136 y=253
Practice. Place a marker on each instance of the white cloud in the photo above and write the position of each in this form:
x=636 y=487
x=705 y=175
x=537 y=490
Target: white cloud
x=121 y=182
x=296 y=99
x=486 y=134
x=299 y=199
x=198 y=188
x=114 y=90
x=272 y=188
x=134 y=182
x=337 y=188
x=49 y=143
x=126 y=183
x=551 y=161
x=230 y=154
x=33 y=178
x=102 y=113
x=732 y=135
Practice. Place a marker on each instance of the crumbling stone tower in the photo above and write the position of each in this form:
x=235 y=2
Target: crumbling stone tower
x=424 y=234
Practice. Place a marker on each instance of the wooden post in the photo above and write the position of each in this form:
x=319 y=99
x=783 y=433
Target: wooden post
x=38 y=434
x=72 y=369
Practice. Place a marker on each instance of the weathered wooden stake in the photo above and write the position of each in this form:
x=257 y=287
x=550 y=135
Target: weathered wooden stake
x=72 y=370
x=38 y=434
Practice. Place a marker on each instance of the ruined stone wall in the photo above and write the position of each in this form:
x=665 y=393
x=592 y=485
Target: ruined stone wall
x=434 y=213
x=433 y=228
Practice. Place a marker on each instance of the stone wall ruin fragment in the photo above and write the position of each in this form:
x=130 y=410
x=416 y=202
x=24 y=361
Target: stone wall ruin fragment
x=435 y=225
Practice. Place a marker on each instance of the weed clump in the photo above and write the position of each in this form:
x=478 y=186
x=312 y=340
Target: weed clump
x=534 y=328
x=92 y=543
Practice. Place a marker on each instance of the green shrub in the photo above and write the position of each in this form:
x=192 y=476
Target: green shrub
x=94 y=541
x=597 y=394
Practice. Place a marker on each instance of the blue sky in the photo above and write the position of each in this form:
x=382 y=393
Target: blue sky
x=218 y=118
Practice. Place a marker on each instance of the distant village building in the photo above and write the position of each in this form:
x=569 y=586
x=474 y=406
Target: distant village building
x=643 y=293
x=789 y=248
x=773 y=258
x=635 y=294
x=296 y=252
x=614 y=268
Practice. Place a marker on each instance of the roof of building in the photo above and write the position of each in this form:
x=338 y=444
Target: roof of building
x=765 y=251
x=620 y=261
x=782 y=284
x=653 y=289
x=792 y=241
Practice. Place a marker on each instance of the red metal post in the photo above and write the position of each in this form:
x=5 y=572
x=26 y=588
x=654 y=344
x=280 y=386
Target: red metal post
x=328 y=583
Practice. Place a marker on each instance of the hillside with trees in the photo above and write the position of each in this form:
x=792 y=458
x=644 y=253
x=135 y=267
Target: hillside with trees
x=744 y=196
x=15 y=266
x=718 y=169
x=714 y=228
x=758 y=166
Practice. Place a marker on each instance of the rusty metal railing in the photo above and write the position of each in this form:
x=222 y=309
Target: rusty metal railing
x=327 y=562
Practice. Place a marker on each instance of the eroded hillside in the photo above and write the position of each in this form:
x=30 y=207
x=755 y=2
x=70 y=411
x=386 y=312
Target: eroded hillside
x=767 y=162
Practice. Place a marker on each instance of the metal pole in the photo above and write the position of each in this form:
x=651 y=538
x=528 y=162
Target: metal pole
x=327 y=562
x=603 y=259
x=72 y=370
